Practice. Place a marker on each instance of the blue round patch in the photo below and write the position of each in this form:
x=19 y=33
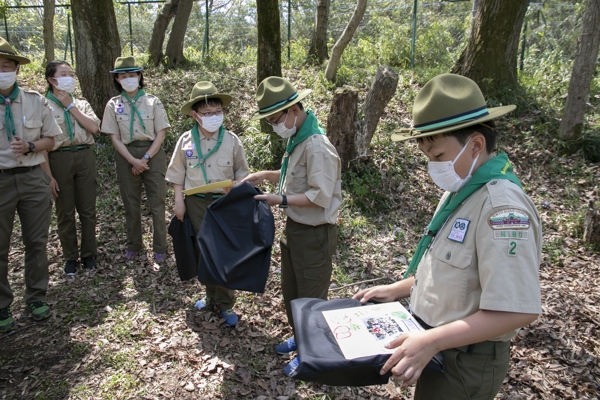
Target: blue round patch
x=189 y=153
x=120 y=110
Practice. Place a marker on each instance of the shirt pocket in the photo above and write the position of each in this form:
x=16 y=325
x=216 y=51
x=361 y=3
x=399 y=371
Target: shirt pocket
x=450 y=275
x=32 y=129
x=226 y=166
x=148 y=119
x=297 y=181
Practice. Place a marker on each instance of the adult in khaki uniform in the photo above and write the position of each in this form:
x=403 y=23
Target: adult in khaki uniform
x=27 y=128
x=310 y=194
x=72 y=167
x=136 y=123
x=206 y=154
x=477 y=278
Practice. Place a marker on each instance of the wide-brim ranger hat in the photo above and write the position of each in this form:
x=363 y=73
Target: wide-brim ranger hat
x=7 y=51
x=126 y=64
x=447 y=103
x=275 y=94
x=204 y=90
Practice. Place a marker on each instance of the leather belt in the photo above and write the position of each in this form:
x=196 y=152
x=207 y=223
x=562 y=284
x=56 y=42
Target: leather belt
x=18 y=170
x=73 y=148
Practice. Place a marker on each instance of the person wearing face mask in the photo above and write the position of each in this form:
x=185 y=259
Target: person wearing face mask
x=309 y=193
x=137 y=123
x=72 y=167
x=473 y=280
x=27 y=128
x=206 y=154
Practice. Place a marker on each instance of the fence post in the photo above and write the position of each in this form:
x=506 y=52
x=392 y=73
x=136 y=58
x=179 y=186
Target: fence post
x=205 y=41
x=6 y=27
x=289 y=28
x=414 y=36
x=68 y=37
x=130 y=29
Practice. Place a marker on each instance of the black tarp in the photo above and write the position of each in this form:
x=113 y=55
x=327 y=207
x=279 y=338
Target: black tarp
x=184 y=242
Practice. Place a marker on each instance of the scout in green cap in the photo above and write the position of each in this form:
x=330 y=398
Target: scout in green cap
x=137 y=123
x=27 y=128
x=206 y=154
x=309 y=193
x=473 y=280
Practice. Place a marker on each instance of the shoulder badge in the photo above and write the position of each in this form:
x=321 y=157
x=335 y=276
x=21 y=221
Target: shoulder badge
x=509 y=218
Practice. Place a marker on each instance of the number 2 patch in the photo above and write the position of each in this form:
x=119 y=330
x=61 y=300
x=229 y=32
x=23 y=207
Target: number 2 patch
x=512 y=248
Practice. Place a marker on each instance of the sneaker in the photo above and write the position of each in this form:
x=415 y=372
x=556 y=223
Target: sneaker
x=203 y=302
x=159 y=257
x=89 y=262
x=71 y=267
x=231 y=318
x=7 y=323
x=286 y=347
x=130 y=255
x=291 y=367
x=39 y=310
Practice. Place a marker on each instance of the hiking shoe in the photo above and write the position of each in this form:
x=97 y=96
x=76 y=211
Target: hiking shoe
x=89 y=262
x=291 y=367
x=203 y=302
x=159 y=257
x=231 y=318
x=7 y=323
x=286 y=347
x=71 y=267
x=130 y=255
x=39 y=310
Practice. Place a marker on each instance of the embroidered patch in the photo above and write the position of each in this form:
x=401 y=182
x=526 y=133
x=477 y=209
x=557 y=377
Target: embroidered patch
x=510 y=218
x=512 y=248
x=189 y=146
x=514 y=235
x=119 y=108
x=189 y=153
x=459 y=230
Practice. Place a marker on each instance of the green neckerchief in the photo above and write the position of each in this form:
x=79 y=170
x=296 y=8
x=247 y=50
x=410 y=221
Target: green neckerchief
x=498 y=167
x=309 y=127
x=201 y=158
x=8 y=116
x=134 y=109
x=51 y=96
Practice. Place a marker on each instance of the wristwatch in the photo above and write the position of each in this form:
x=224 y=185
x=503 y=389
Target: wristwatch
x=147 y=157
x=31 y=147
x=284 y=203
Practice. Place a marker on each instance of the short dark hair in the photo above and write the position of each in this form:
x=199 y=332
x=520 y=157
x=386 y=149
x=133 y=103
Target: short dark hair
x=51 y=70
x=210 y=102
x=488 y=130
x=120 y=88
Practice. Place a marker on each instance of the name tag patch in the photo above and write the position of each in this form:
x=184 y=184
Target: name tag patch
x=459 y=230
x=514 y=235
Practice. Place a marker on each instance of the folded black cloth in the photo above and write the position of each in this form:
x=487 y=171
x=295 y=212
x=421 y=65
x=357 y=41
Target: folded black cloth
x=235 y=241
x=184 y=242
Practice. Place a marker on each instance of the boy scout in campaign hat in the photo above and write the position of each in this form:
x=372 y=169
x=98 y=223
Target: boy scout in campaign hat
x=309 y=192
x=207 y=153
x=475 y=271
x=27 y=128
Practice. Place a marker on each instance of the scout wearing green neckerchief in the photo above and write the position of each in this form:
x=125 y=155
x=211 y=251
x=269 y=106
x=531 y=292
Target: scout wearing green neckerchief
x=309 y=192
x=473 y=280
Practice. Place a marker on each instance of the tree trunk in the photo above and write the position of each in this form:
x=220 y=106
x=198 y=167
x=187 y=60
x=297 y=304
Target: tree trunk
x=97 y=45
x=48 y=31
x=591 y=233
x=571 y=125
x=160 y=28
x=269 y=61
x=490 y=58
x=340 y=45
x=350 y=134
x=175 y=44
x=317 y=50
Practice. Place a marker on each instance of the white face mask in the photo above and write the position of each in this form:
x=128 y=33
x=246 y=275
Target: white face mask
x=66 y=83
x=443 y=173
x=283 y=130
x=129 y=84
x=212 y=123
x=7 y=79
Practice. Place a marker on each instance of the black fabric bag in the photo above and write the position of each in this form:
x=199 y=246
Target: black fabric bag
x=184 y=241
x=322 y=360
x=235 y=241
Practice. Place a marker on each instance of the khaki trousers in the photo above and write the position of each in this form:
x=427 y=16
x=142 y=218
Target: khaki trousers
x=130 y=187
x=306 y=265
x=223 y=298
x=29 y=195
x=75 y=173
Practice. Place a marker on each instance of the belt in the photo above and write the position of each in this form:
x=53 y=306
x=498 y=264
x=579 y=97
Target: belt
x=209 y=196
x=18 y=170
x=73 y=148
x=140 y=143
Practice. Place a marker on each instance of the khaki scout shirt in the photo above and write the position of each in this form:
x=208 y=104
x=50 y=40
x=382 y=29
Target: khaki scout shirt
x=118 y=112
x=228 y=162
x=314 y=168
x=33 y=120
x=485 y=257
x=80 y=135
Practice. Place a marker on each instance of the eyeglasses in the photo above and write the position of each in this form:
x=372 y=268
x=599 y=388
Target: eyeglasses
x=209 y=114
x=273 y=123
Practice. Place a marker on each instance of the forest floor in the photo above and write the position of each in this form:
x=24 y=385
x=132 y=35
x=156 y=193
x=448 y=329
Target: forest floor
x=129 y=330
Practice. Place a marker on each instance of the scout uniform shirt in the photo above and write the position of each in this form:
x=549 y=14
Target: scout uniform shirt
x=117 y=116
x=314 y=169
x=33 y=120
x=80 y=135
x=485 y=257
x=228 y=162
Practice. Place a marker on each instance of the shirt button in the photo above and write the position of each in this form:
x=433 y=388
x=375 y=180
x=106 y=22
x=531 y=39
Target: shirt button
x=493 y=182
x=227 y=162
x=448 y=255
x=208 y=149
x=208 y=165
